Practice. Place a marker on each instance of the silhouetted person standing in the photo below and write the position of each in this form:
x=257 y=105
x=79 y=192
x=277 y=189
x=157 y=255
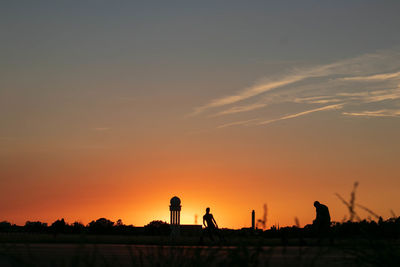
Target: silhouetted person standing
x=211 y=225
x=209 y=219
x=322 y=222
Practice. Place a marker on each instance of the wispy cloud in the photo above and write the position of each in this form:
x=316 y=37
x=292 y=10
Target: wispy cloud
x=243 y=108
x=264 y=87
x=376 y=77
x=350 y=84
x=249 y=92
x=317 y=100
x=246 y=122
x=382 y=96
x=375 y=113
x=286 y=117
x=366 y=64
x=295 y=115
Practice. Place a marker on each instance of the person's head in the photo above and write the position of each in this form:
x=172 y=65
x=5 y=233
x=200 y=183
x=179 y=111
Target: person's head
x=207 y=210
x=316 y=204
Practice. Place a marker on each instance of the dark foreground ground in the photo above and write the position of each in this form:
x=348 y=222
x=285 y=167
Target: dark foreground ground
x=146 y=255
x=69 y=250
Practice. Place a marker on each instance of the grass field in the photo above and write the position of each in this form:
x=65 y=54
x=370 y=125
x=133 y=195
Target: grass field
x=145 y=255
x=32 y=238
x=22 y=249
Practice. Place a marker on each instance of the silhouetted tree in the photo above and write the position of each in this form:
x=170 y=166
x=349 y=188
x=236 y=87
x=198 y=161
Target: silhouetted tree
x=35 y=227
x=77 y=228
x=157 y=228
x=58 y=227
x=101 y=226
x=5 y=226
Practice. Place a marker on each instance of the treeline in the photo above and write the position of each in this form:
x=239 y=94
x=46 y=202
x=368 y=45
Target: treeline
x=389 y=228
x=99 y=226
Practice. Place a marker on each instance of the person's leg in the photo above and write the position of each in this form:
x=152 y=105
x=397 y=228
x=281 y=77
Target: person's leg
x=220 y=235
x=318 y=232
x=324 y=232
x=210 y=233
x=329 y=234
x=202 y=236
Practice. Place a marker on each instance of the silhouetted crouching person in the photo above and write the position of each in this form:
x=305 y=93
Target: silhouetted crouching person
x=211 y=226
x=322 y=222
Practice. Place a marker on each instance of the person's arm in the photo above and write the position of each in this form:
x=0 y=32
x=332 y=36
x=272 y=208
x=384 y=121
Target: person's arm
x=316 y=216
x=319 y=216
x=204 y=222
x=215 y=223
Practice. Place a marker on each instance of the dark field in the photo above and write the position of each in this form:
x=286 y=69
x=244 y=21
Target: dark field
x=75 y=250
x=145 y=255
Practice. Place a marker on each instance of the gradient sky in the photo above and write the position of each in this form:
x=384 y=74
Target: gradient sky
x=108 y=109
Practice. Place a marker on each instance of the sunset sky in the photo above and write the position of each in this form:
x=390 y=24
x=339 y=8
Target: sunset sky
x=110 y=108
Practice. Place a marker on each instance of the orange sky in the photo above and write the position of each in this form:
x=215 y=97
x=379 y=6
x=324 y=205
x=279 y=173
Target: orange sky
x=232 y=177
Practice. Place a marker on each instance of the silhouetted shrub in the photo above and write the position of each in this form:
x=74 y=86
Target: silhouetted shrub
x=35 y=227
x=101 y=226
x=58 y=227
x=77 y=228
x=5 y=226
x=157 y=228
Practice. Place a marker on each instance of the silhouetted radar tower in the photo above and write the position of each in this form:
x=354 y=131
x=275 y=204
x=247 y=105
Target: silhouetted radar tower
x=175 y=209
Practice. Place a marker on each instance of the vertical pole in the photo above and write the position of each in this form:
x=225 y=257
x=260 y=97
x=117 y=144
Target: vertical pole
x=179 y=217
x=253 y=220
